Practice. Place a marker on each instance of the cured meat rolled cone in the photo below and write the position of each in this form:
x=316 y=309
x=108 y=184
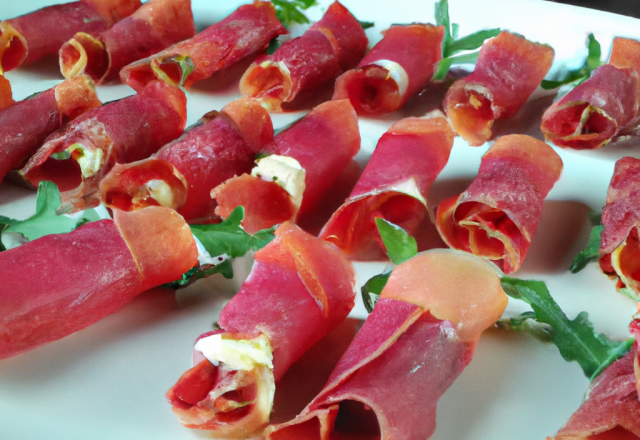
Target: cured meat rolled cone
x=398 y=67
x=393 y=186
x=5 y=93
x=155 y=26
x=245 y=32
x=332 y=45
x=508 y=70
x=611 y=410
x=77 y=157
x=497 y=216
x=418 y=339
x=300 y=288
x=59 y=284
x=307 y=160
x=181 y=175
x=25 y=125
x=29 y=37
x=603 y=107
x=620 y=245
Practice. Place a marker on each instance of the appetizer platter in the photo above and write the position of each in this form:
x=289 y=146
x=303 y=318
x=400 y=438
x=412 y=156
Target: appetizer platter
x=109 y=380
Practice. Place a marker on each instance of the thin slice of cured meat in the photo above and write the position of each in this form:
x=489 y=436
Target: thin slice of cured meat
x=601 y=109
x=418 y=339
x=620 y=245
x=155 y=26
x=497 y=216
x=611 y=409
x=25 y=125
x=318 y=147
x=59 y=284
x=332 y=45
x=29 y=37
x=299 y=290
x=508 y=70
x=398 y=67
x=248 y=30
x=182 y=174
x=393 y=186
x=5 y=93
x=77 y=157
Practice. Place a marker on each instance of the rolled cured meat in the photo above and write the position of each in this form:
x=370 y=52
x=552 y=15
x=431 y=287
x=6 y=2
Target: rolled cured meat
x=29 y=37
x=620 y=243
x=603 y=107
x=611 y=410
x=497 y=216
x=307 y=160
x=299 y=290
x=77 y=157
x=183 y=173
x=398 y=67
x=248 y=30
x=332 y=45
x=418 y=339
x=5 y=93
x=508 y=70
x=59 y=284
x=393 y=186
x=25 y=125
x=155 y=26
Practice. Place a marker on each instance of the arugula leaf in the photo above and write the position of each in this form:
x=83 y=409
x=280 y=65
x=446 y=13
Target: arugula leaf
x=400 y=245
x=527 y=323
x=273 y=46
x=591 y=63
x=590 y=252
x=45 y=221
x=371 y=290
x=290 y=11
x=576 y=340
x=230 y=238
x=452 y=45
x=184 y=62
x=366 y=24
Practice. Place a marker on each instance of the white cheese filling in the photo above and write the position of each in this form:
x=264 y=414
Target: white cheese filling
x=242 y=354
x=160 y=192
x=90 y=160
x=286 y=172
x=396 y=72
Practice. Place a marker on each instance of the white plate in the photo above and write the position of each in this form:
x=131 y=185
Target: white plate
x=108 y=381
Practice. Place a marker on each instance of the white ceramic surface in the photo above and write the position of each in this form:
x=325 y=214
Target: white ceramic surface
x=108 y=381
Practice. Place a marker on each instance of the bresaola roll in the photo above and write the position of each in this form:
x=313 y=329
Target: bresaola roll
x=604 y=107
x=332 y=45
x=77 y=157
x=153 y=27
x=620 y=243
x=29 y=37
x=497 y=216
x=182 y=174
x=25 y=125
x=299 y=290
x=418 y=339
x=611 y=409
x=307 y=160
x=246 y=31
x=59 y=284
x=508 y=70
x=398 y=67
x=5 y=93
x=393 y=186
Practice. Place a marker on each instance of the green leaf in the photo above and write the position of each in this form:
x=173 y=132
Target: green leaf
x=576 y=340
x=45 y=221
x=527 y=323
x=366 y=24
x=230 y=238
x=273 y=46
x=290 y=11
x=590 y=252
x=371 y=290
x=400 y=245
x=442 y=19
x=184 y=62
x=591 y=63
x=225 y=269
x=445 y=64
x=472 y=41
